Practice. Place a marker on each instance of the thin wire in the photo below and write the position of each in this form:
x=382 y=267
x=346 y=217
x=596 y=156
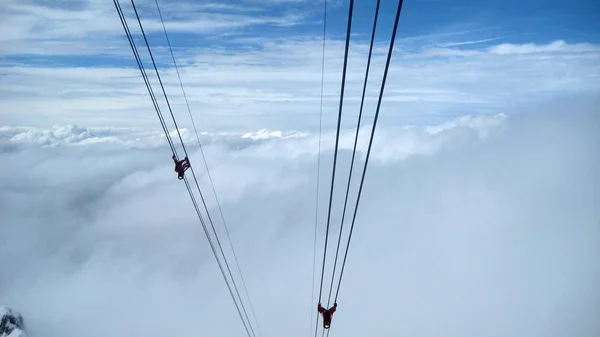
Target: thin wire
x=337 y=137
x=143 y=72
x=158 y=76
x=385 y=73
x=212 y=246
x=183 y=145
x=206 y=164
x=221 y=249
x=362 y=101
x=149 y=87
x=319 y=162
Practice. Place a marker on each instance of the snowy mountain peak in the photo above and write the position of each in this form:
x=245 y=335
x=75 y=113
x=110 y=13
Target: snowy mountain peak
x=11 y=323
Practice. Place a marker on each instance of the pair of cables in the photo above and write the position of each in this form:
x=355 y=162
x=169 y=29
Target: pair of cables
x=239 y=303
x=372 y=134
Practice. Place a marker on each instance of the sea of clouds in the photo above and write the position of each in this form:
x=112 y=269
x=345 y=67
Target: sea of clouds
x=482 y=226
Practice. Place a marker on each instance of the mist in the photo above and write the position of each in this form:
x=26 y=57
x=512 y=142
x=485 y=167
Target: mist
x=483 y=226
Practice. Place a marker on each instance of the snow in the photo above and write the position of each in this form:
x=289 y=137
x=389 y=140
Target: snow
x=8 y=329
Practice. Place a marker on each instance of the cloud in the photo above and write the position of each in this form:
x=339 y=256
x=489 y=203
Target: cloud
x=276 y=85
x=486 y=226
x=40 y=28
x=464 y=43
x=556 y=46
x=272 y=143
x=239 y=74
x=482 y=223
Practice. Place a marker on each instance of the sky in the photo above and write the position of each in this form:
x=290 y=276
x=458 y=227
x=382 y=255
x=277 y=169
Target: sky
x=249 y=64
x=479 y=215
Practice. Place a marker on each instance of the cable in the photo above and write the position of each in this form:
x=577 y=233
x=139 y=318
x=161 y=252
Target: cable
x=390 y=51
x=140 y=65
x=158 y=76
x=319 y=160
x=143 y=72
x=186 y=154
x=206 y=164
x=337 y=139
x=212 y=246
x=144 y=75
x=387 y=66
x=221 y=250
x=362 y=101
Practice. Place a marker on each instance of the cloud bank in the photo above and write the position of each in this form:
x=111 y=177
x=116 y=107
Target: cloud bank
x=484 y=226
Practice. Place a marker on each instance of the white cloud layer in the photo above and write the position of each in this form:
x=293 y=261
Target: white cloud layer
x=484 y=226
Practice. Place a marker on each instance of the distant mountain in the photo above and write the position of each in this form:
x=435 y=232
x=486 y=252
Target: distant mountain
x=11 y=323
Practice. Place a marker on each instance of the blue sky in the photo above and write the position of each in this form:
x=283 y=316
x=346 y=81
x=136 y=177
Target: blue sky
x=68 y=62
